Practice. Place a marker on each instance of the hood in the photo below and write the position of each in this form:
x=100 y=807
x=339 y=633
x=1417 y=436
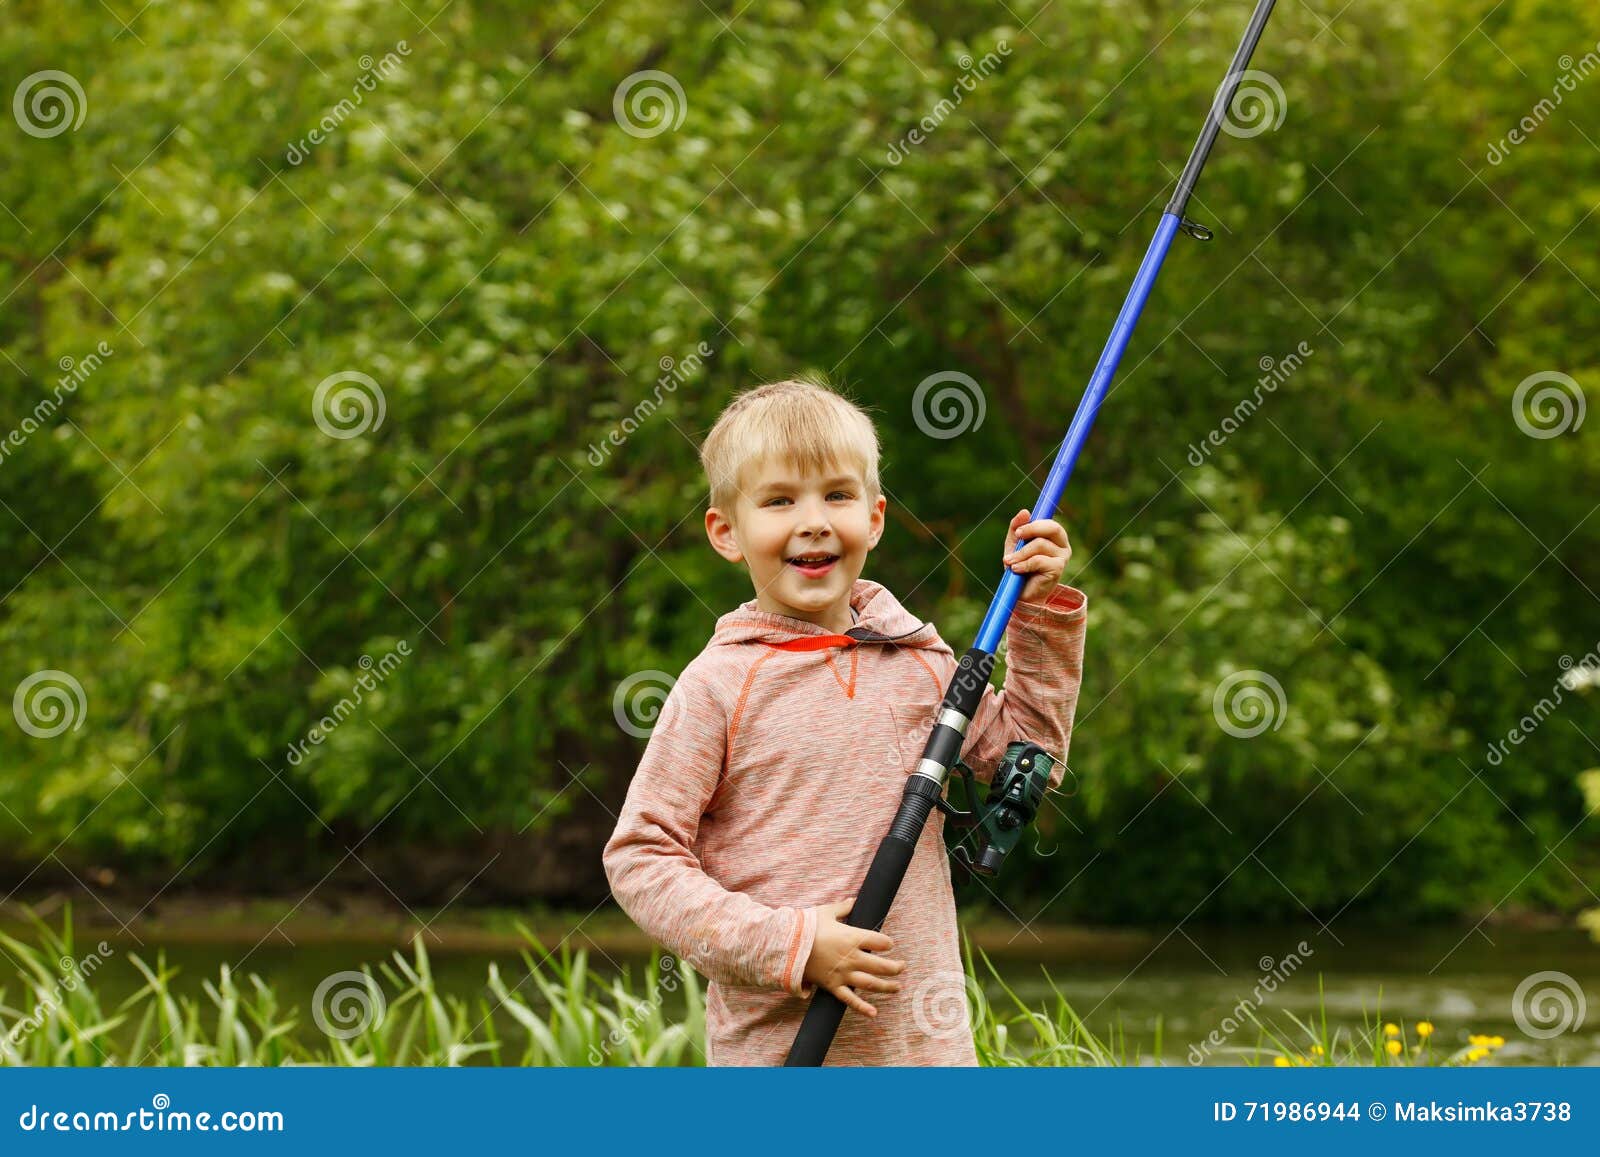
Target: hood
x=881 y=620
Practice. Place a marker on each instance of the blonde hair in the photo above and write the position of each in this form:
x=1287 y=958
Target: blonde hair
x=801 y=422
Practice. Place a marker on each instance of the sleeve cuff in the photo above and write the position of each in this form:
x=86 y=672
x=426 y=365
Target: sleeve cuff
x=1066 y=604
x=800 y=945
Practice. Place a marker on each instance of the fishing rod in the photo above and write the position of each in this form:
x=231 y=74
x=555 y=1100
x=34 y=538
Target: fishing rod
x=1020 y=779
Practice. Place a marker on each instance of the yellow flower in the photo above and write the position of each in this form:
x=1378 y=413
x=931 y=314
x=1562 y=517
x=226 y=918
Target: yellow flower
x=1280 y=1062
x=1477 y=1038
x=1391 y=1030
x=1317 y=1050
x=1393 y=1048
x=1424 y=1029
x=1477 y=1054
x=1497 y=1041
x=1301 y=1061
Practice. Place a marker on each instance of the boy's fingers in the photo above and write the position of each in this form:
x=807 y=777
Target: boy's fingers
x=874 y=942
x=882 y=965
x=873 y=983
x=1018 y=519
x=1044 y=528
x=844 y=993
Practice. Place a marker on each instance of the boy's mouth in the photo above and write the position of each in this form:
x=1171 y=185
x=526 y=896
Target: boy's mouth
x=813 y=565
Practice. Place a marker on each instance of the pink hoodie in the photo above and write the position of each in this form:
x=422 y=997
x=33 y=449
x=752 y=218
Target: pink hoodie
x=772 y=773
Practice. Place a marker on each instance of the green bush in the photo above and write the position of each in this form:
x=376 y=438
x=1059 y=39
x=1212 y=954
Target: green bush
x=481 y=238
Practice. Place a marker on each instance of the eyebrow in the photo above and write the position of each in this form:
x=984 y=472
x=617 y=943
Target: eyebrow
x=786 y=484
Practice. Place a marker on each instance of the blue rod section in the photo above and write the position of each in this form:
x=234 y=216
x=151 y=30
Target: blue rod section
x=1005 y=599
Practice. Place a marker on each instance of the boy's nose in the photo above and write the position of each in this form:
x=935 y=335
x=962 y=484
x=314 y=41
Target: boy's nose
x=814 y=518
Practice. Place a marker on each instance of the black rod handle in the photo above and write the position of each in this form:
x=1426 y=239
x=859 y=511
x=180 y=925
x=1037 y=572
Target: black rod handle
x=871 y=908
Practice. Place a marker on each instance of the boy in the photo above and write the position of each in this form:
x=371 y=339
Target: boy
x=778 y=759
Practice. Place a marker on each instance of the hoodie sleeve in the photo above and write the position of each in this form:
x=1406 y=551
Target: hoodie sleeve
x=656 y=876
x=1044 y=665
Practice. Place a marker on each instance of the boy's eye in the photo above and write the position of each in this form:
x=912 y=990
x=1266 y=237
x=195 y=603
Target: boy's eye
x=845 y=494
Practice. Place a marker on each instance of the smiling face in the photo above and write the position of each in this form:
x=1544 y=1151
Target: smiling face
x=804 y=537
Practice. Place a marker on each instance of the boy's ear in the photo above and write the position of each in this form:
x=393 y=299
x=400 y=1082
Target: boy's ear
x=720 y=531
x=878 y=508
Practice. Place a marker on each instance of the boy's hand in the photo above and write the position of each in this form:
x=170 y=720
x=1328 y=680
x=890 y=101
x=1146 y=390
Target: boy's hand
x=1044 y=556
x=842 y=958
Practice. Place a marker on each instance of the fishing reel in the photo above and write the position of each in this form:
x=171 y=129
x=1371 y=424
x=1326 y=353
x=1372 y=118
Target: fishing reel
x=1015 y=793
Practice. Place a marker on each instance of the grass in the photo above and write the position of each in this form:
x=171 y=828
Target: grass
x=558 y=1013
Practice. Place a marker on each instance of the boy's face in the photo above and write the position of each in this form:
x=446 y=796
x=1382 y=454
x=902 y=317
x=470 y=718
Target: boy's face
x=782 y=519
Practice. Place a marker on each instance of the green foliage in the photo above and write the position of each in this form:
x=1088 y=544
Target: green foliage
x=482 y=239
x=567 y=1016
